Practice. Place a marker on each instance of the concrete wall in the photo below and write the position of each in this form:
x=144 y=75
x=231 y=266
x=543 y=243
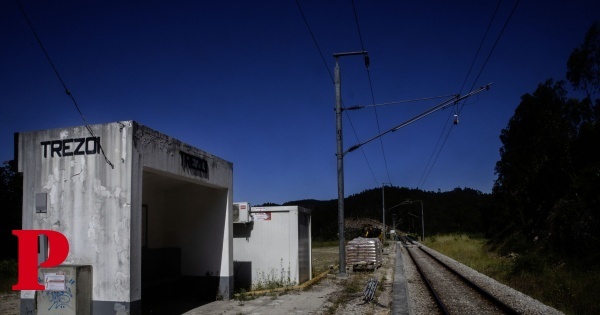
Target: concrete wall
x=197 y=214
x=276 y=246
x=89 y=201
x=95 y=199
x=190 y=217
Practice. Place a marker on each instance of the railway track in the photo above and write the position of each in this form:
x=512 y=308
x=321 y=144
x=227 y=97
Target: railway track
x=451 y=292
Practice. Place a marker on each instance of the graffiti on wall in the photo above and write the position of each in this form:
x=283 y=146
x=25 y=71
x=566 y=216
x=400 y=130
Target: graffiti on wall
x=194 y=165
x=57 y=300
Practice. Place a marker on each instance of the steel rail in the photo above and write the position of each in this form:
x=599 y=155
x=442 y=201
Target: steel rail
x=434 y=294
x=503 y=306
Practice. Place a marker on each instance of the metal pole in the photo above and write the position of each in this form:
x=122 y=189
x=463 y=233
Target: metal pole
x=422 y=223
x=340 y=155
x=394 y=226
x=383 y=210
x=384 y=228
x=340 y=164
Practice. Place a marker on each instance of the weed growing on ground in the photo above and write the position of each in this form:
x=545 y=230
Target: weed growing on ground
x=242 y=297
x=380 y=287
x=353 y=287
x=274 y=279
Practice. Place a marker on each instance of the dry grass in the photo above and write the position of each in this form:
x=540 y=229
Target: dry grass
x=471 y=252
x=323 y=257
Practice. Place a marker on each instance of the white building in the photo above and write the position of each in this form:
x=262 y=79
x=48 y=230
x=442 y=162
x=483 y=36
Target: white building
x=275 y=247
x=144 y=210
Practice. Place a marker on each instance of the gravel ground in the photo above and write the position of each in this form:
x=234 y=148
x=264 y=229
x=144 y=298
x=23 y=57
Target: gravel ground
x=381 y=305
x=419 y=298
x=9 y=303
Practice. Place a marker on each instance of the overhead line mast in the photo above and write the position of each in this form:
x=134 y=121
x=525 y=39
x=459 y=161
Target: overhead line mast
x=340 y=154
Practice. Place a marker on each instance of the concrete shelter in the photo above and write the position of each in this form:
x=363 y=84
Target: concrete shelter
x=149 y=213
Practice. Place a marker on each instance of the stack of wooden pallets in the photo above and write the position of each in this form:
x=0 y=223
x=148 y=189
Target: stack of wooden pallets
x=364 y=252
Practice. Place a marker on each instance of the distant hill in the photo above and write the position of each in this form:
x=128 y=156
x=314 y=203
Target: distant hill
x=458 y=210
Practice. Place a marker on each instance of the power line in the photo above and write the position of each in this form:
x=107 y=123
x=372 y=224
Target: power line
x=421 y=180
x=332 y=80
x=61 y=80
x=435 y=149
x=438 y=154
x=400 y=102
x=371 y=89
x=363 y=151
x=314 y=40
x=493 y=48
x=480 y=45
x=478 y=75
x=428 y=112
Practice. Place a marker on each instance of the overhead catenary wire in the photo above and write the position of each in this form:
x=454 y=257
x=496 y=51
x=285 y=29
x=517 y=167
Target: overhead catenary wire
x=435 y=149
x=427 y=170
x=62 y=82
x=493 y=48
x=371 y=89
x=428 y=112
x=363 y=153
x=314 y=40
x=436 y=152
x=355 y=107
x=480 y=46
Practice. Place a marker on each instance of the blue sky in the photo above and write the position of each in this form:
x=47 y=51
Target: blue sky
x=244 y=81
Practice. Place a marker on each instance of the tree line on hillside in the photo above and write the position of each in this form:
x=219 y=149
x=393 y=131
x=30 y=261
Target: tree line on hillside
x=443 y=212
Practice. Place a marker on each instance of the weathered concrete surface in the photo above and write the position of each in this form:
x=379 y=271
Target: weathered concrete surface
x=313 y=301
x=87 y=183
x=89 y=199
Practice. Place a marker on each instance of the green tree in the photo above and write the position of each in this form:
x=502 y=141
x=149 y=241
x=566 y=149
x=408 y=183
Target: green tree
x=11 y=192
x=535 y=168
x=549 y=168
x=583 y=67
x=583 y=71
